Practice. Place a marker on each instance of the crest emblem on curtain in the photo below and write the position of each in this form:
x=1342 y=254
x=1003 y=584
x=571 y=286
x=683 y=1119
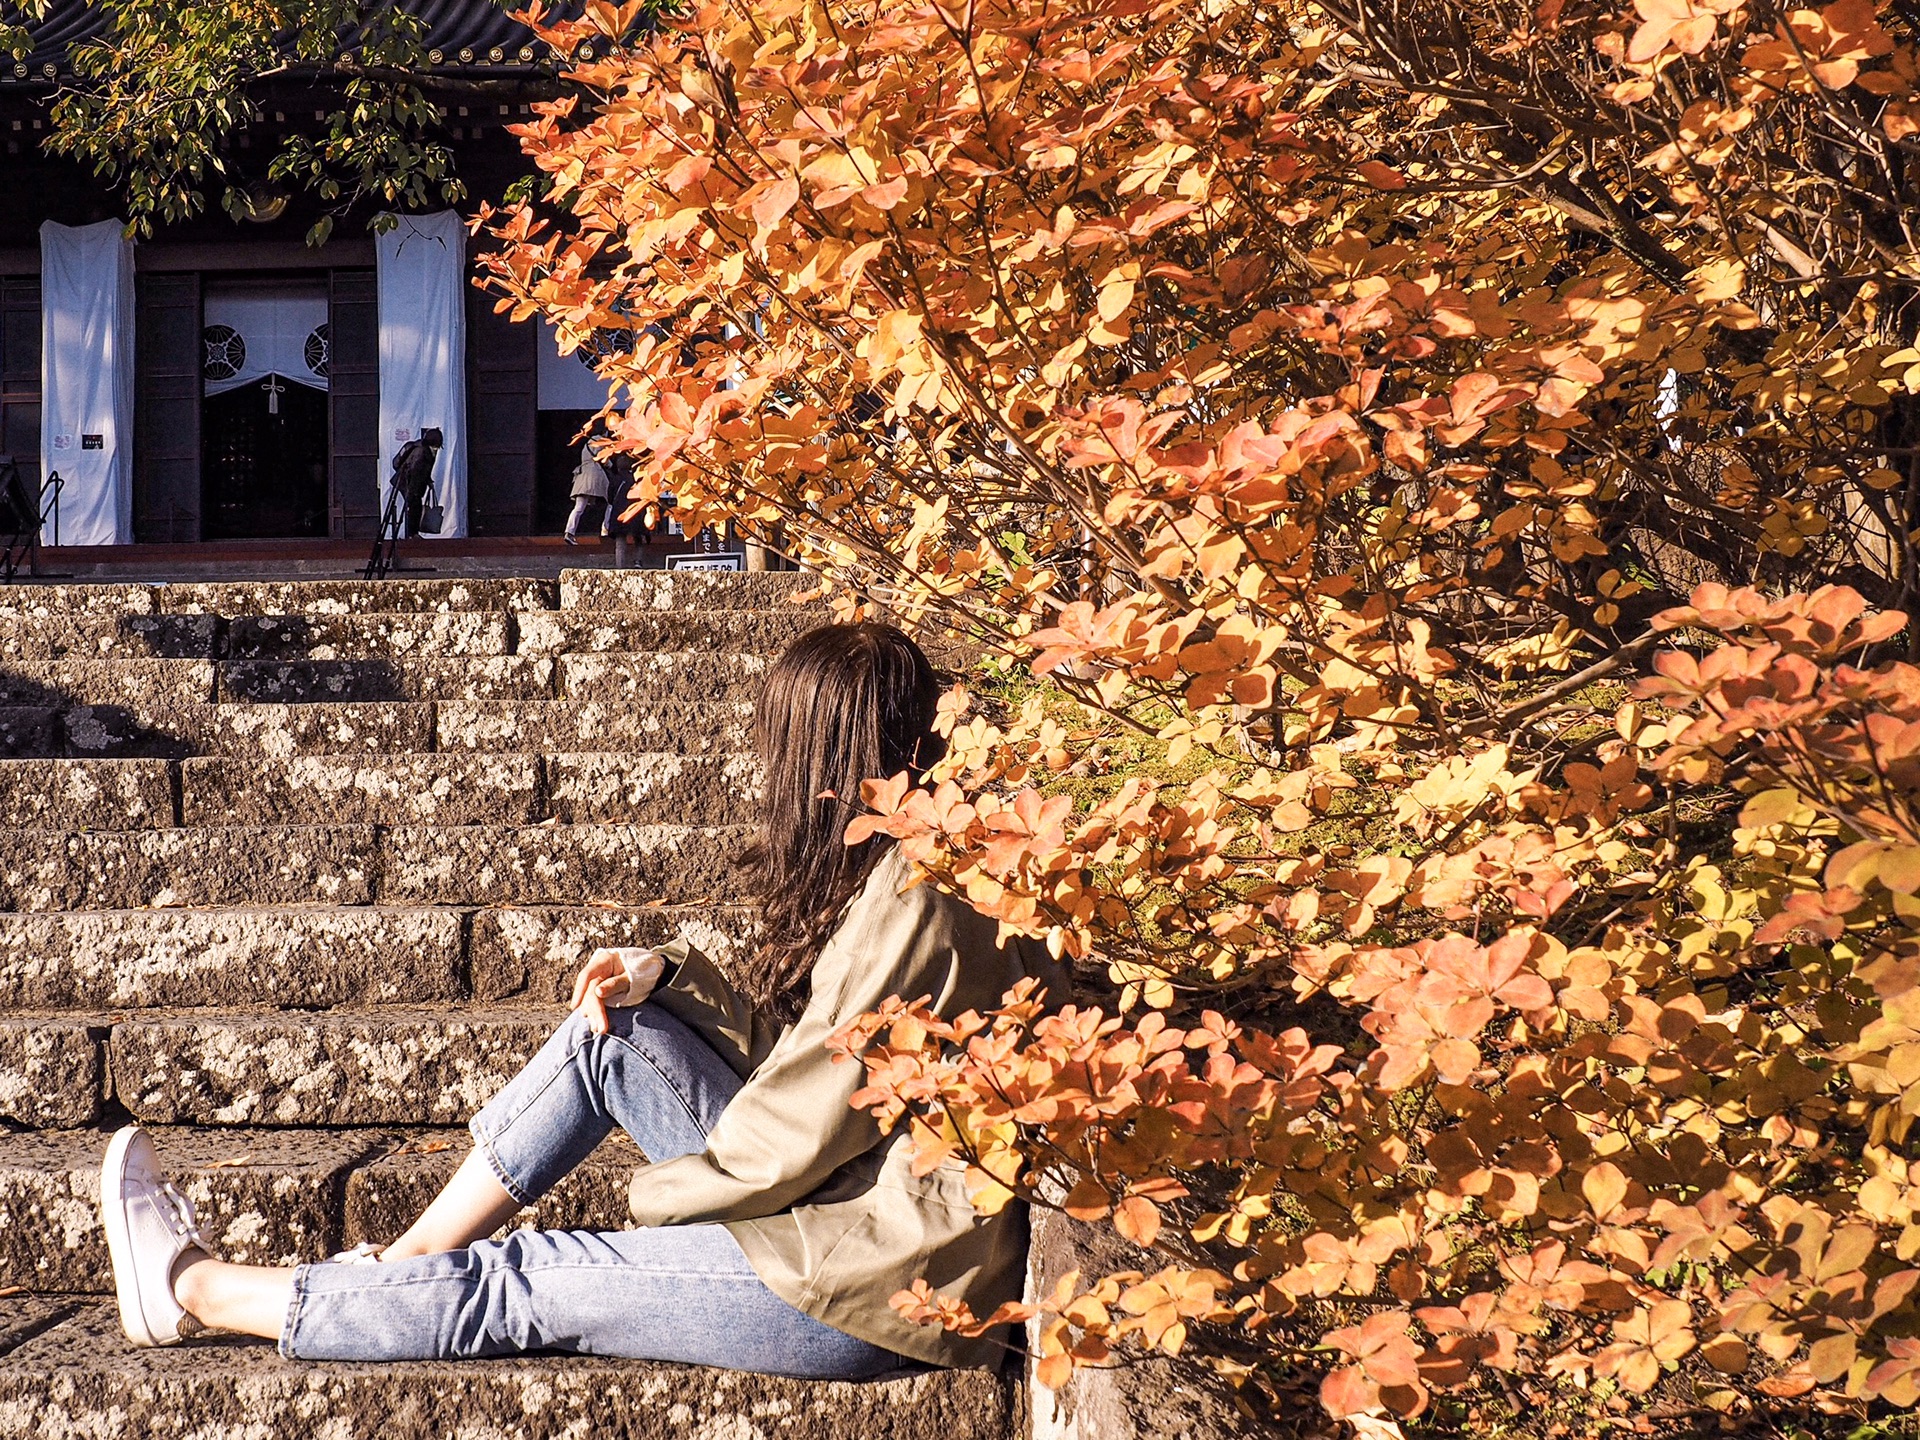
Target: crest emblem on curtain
x=226 y=352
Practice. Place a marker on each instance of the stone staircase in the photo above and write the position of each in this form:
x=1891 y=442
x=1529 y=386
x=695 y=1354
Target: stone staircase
x=297 y=873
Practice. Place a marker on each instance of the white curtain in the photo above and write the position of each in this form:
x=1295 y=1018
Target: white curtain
x=423 y=351
x=249 y=337
x=86 y=378
x=565 y=382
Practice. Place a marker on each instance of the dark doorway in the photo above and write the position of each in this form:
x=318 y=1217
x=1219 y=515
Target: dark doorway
x=265 y=463
x=556 y=452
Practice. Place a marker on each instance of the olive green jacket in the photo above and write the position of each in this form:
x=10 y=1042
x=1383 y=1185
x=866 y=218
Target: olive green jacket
x=826 y=1207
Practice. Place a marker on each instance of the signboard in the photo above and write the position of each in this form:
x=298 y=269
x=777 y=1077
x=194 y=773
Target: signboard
x=723 y=560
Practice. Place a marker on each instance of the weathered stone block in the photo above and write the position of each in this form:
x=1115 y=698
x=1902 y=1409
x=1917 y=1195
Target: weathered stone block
x=279 y=731
x=146 y=688
x=152 y=958
x=112 y=794
x=650 y=678
x=535 y=952
x=682 y=590
x=559 y=864
x=362 y=790
x=653 y=789
x=393 y=677
x=29 y=730
x=52 y=1070
x=386 y=1194
x=79 y=1380
x=263 y=1197
x=1152 y=1398
x=347 y=637
x=354 y=597
x=639 y=632
x=86 y=636
x=673 y=727
x=223 y=865
x=394 y=1066
x=34 y=599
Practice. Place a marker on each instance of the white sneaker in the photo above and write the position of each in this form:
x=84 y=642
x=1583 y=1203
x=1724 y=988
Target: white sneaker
x=148 y=1224
x=365 y=1253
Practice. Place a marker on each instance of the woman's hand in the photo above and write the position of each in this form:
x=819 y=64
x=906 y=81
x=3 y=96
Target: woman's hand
x=615 y=978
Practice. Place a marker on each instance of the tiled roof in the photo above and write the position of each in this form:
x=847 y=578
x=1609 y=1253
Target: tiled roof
x=463 y=35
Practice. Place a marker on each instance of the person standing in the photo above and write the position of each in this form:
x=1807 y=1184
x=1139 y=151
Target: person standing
x=589 y=485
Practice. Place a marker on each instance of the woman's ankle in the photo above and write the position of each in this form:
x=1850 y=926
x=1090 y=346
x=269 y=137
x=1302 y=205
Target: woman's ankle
x=189 y=1271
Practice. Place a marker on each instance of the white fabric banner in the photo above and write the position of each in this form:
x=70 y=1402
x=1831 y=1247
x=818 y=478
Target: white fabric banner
x=249 y=337
x=86 y=378
x=423 y=351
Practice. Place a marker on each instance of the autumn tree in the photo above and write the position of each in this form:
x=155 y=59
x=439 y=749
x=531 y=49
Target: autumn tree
x=1467 y=455
x=154 y=102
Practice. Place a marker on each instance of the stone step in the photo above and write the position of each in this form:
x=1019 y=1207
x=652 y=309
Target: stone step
x=141 y=687
x=30 y=730
x=666 y=676
x=532 y=953
x=122 y=794
x=562 y=864
x=393 y=727
x=391 y=1065
x=94 y=960
x=459 y=789
x=32 y=599
x=355 y=636
x=86 y=636
x=105 y=960
x=50 y=870
x=380 y=727
x=351 y=597
x=616 y=789
x=684 y=590
x=363 y=790
x=53 y=1073
x=263 y=1197
x=547 y=864
x=396 y=677
x=66 y=1370
x=644 y=632
x=667 y=727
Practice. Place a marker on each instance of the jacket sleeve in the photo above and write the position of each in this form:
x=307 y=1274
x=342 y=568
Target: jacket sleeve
x=693 y=990
x=791 y=1126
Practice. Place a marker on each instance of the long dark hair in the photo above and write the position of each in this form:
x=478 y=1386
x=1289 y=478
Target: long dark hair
x=844 y=703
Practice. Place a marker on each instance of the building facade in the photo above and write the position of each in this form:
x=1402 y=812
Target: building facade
x=225 y=380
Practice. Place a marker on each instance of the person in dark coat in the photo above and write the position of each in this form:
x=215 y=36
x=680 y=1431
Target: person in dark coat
x=413 y=472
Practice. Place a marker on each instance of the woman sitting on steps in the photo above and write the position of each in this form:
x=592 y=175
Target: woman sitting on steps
x=774 y=1220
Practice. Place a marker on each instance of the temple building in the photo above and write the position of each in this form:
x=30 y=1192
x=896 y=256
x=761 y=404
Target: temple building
x=225 y=381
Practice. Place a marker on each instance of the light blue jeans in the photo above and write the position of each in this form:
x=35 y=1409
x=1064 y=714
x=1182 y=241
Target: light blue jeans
x=684 y=1293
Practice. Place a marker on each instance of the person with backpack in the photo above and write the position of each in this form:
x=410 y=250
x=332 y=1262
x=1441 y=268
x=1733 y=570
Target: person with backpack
x=589 y=486
x=413 y=473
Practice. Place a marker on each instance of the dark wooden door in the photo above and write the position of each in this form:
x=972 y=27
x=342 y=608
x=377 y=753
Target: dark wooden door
x=167 y=353
x=20 y=375
x=353 y=381
x=500 y=420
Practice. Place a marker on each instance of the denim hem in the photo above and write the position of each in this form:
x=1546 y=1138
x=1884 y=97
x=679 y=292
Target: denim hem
x=483 y=1143
x=295 y=1297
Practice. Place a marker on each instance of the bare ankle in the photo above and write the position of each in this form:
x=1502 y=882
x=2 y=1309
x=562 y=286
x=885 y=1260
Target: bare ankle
x=188 y=1271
